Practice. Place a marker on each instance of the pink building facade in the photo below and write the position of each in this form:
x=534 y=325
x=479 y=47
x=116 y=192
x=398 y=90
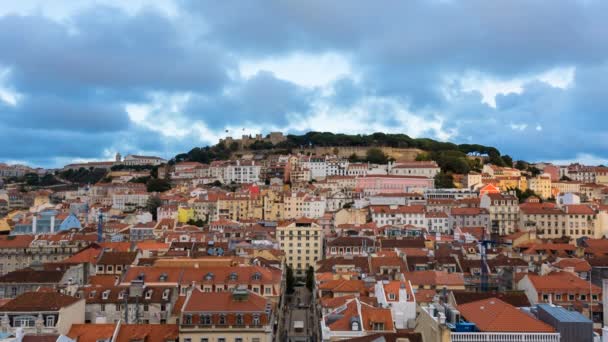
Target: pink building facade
x=373 y=185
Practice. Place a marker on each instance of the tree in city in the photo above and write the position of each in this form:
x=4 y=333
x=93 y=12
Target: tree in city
x=376 y=156
x=507 y=160
x=310 y=278
x=152 y=205
x=157 y=185
x=290 y=281
x=522 y=196
x=198 y=222
x=444 y=180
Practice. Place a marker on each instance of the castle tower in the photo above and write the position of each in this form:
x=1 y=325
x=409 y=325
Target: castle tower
x=118 y=157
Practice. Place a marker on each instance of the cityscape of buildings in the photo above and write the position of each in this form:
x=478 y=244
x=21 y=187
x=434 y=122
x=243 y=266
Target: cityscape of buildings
x=310 y=245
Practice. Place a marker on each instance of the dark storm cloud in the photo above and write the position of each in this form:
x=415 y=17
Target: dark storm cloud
x=75 y=76
x=262 y=99
x=106 y=48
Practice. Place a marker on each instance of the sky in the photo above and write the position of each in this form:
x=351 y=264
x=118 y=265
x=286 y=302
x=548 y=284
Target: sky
x=82 y=80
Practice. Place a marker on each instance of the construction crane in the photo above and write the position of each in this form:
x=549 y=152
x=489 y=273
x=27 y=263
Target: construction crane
x=484 y=244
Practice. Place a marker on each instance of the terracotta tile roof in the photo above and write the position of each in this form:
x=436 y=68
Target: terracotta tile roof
x=425 y=295
x=147 y=332
x=152 y=245
x=91 y=332
x=15 y=241
x=579 y=265
x=579 y=209
x=436 y=278
x=515 y=298
x=394 y=286
x=117 y=258
x=562 y=282
x=103 y=280
x=494 y=315
x=117 y=246
x=334 y=302
x=39 y=301
x=88 y=254
x=343 y=285
x=28 y=275
x=378 y=262
x=200 y=301
x=178 y=306
x=368 y=316
x=327 y=265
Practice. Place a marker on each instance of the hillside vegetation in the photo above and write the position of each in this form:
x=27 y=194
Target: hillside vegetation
x=450 y=157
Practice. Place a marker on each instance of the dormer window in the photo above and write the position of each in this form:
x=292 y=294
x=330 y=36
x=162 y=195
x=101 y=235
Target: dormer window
x=355 y=326
x=105 y=294
x=378 y=326
x=92 y=294
x=149 y=294
x=209 y=276
x=233 y=276
x=239 y=319
x=256 y=320
x=222 y=320
x=257 y=276
x=391 y=296
x=121 y=295
x=166 y=293
x=163 y=277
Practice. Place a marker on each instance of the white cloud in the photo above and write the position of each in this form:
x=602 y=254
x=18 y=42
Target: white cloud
x=307 y=70
x=518 y=127
x=489 y=86
x=7 y=94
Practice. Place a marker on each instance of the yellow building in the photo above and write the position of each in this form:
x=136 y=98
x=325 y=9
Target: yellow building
x=541 y=185
x=302 y=242
x=240 y=206
x=185 y=214
x=273 y=205
x=512 y=182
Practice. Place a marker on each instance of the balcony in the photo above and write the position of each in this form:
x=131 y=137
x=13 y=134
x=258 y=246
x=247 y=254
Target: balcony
x=503 y=337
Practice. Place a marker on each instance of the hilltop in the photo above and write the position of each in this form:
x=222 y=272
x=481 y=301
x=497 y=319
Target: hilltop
x=451 y=157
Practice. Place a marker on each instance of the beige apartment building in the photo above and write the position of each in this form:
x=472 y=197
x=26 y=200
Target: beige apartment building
x=302 y=242
x=551 y=222
x=239 y=315
x=541 y=185
x=504 y=212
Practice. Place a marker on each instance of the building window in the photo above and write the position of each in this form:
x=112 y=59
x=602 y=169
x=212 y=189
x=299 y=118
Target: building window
x=188 y=319
x=239 y=319
x=50 y=321
x=206 y=319
x=24 y=321
x=222 y=319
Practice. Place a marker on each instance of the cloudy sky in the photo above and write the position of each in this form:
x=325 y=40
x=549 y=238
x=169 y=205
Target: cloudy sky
x=82 y=80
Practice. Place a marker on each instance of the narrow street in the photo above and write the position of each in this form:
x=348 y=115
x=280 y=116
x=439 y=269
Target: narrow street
x=299 y=323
